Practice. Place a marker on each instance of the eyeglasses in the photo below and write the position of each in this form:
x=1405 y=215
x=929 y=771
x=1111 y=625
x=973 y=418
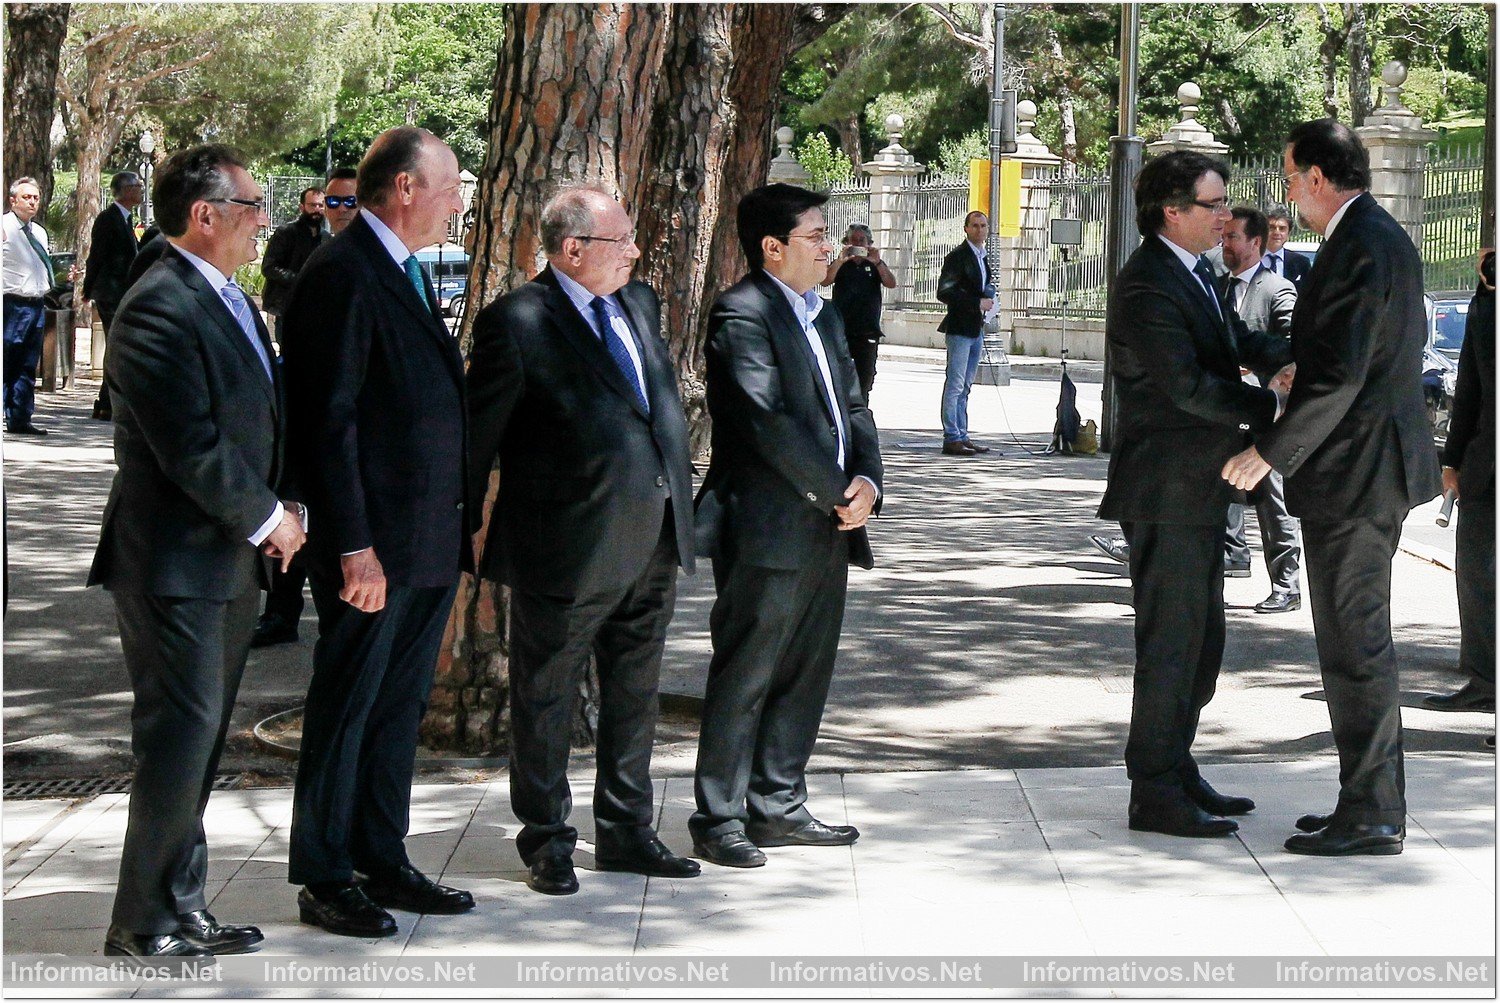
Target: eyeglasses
x=816 y=237
x=1219 y=206
x=259 y=205
x=346 y=201
x=1294 y=174
x=629 y=238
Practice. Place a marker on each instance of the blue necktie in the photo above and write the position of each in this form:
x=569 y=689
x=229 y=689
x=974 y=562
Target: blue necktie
x=235 y=297
x=1205 y=273
x=616 y=347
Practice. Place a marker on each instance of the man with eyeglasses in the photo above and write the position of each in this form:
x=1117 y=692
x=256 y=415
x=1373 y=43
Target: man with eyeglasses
x=1183 y=410
x=375 y=399
x=572 y=389
x=1356 y=451
x=795 y=474
x=112 y=250
x=27 y=272
x=288 y=250
x=193 y=514
x=284 y=604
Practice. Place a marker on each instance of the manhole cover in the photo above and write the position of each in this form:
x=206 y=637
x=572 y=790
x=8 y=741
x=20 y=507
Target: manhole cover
x=91 y=786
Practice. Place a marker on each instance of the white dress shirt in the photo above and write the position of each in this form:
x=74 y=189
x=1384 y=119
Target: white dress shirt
x=583 y=300
x=22 y=273
x=1337 y=217
x=388 y=239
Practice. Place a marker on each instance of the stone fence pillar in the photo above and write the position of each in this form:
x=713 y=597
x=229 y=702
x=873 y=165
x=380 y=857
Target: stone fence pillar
x=784 y=167
x=1397 y=142
x=1189 y=133
x=890 y=173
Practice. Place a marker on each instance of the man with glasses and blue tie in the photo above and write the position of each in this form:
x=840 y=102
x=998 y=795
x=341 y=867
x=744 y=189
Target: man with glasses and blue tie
x=192 y=515
x=1183 y=411
x=572 y=389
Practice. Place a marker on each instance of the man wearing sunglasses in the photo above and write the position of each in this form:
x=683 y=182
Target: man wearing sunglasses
x=340 y=204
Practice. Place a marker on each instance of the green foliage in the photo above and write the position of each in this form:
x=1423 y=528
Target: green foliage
x=1435 y=93
x=827 y=166
x=438 y=76
x=954 y=154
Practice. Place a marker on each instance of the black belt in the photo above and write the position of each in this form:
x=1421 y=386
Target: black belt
x=28 y=300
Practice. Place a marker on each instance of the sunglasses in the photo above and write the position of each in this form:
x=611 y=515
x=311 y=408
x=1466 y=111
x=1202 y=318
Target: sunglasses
x=347 y=201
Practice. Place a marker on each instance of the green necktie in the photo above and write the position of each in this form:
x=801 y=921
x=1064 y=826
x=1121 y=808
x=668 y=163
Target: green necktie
x=41 y=252
x=414 y=272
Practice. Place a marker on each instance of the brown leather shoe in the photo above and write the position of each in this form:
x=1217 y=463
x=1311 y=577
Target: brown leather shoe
x=976 y=446
x=957 y=448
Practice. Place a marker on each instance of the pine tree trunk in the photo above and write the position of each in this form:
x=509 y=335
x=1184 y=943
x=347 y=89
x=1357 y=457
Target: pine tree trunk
x=1328 y=58
x=34 y=34
x=1358 y=53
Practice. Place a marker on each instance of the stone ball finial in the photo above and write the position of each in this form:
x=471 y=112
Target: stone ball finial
x=1189 y=95
x=784 y=136
x=1025 y=115
x=1394 y=73
x=894 y=123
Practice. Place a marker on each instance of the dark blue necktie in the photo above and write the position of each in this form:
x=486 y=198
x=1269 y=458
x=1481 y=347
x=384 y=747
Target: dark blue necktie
x=617 y=351
x=1205 y=273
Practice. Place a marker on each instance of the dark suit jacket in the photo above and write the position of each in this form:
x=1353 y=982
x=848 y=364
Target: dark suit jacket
x=286 y=252
x=1470 y=448
x=1355 y=441
x=1183 y=409
x=1297 y=266
x=112 y=248
x=774 y=478
x=376 y=416
x=151 y=251
x=960 y=287
x=198 y=443
x=584 y=470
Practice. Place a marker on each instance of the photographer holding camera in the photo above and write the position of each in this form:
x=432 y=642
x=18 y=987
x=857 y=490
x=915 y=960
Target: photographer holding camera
x=858 y=275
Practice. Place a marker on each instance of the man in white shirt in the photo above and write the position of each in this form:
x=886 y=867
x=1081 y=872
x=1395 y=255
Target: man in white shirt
x=27 y=275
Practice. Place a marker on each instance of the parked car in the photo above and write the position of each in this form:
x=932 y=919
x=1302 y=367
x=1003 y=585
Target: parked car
x=1439 y=369
x=447 y=268
x=1308 y=248
x=1450 y=314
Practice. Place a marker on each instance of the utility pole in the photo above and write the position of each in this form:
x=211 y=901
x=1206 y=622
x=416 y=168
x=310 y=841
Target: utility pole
x=1125 y=151
x=995 y=369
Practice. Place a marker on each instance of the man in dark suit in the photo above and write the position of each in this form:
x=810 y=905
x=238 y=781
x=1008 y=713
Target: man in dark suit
x=1183 y=410
x=966 y=288
x=376 y=407
x=1357 y=454
x=795 y=474
x=1290 y=265
x=1469 y=474
x=572 y=388
x=198 y=442
x=1263 y=301
x=112 y=247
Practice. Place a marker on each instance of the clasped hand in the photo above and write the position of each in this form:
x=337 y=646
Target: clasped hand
x=861 y=496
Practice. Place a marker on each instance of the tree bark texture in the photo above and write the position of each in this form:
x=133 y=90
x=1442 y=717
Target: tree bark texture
x=670 y=107
x=34 y=34
x=1334 y=36
x=1361 y=101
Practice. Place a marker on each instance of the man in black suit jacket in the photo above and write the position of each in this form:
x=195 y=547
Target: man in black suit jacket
x=112 y=247
x=1183 y=410
x=1357 y=454
x=795 y=474
x=376 y=407
x=198 y=444
x=966 y=288
x=1290 y=265
x=571 y=386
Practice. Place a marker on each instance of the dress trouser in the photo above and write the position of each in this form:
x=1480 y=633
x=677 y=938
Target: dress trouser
x=185 y=658
x=864 y=349
x=775 y=637
x=106 y=318
x=1349 y=578
x=25 y=321
x=371 y=676
x=285 y=598
x=550 y=642
x=1178 y=578
x=1280 y=536
x=1476 y=589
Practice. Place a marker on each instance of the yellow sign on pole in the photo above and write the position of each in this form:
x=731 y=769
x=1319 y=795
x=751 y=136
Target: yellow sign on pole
x=1009 y=223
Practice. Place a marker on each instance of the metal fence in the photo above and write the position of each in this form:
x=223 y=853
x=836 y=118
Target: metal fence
x=848 y=202
x=284 y=195
x=933 y=210
x=1452 y=205
x=1080 y=277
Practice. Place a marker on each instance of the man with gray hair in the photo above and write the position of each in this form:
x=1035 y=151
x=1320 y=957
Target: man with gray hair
x=112 y=250
x=572 y=389
x=27 y=275
x=859 y=276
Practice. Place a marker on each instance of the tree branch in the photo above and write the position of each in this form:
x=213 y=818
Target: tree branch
x=956 y=27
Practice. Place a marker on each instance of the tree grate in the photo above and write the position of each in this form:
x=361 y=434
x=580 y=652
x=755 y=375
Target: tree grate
x=91 y=786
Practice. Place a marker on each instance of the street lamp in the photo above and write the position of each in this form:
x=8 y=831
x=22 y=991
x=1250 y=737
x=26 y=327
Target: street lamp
x=148 y=146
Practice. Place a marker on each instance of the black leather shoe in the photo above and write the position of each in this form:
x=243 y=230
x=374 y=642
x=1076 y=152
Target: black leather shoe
x=1469 y=698
x=346 y=910
x=1211 y=801
x=1280 y=602
x=975 y=446
x=809 y=833
x=27 y=429
x=1236 y=570
x=1115 y=550
x=119 y=942
x=643 y=855
x=733 y=849
x=1349 y=841
x=552 y=875
x=957 y=449
x=272 y=629
x=200 y=928
x=1178 y=818
x=1312 y=822
x=409 y=889
x=102 y=412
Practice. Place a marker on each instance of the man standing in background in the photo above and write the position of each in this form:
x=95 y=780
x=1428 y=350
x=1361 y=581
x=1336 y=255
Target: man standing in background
x=966 y=288
x=1290 y=265
x=859 y=277
x=112 y=249
x=26 y=267
x=286 y=253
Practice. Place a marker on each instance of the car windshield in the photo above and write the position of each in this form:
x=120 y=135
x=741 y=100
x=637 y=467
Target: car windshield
x=1448 y=322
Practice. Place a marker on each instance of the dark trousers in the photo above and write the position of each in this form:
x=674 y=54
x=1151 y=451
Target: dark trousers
x=185 y=658
x=550 y=642
x=25 y=323
x=371 y=676
x=1476 y=589
x=1178 y=578
x=863 y=348
x=1280 y=536
x=106 y=318
x=285 y=598
x=1349 y=578
x=775 y=636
